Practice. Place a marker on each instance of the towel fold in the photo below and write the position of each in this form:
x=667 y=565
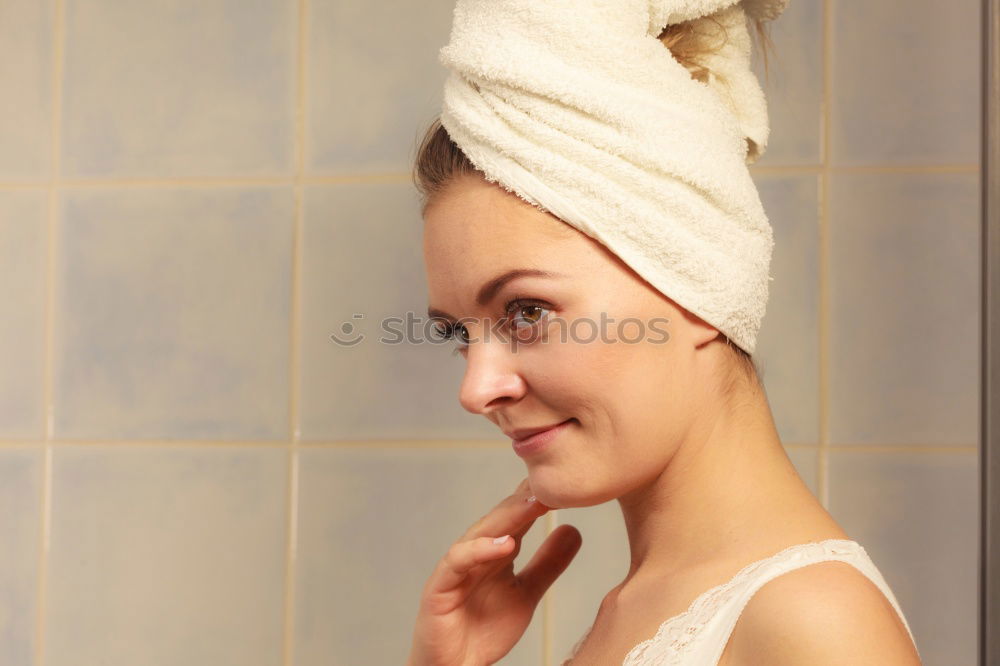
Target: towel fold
x=576 y=107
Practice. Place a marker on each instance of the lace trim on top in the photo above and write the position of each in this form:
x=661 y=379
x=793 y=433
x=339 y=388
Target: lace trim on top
x=677 y=632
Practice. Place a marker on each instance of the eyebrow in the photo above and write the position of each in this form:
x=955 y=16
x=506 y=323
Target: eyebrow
x=489 y=290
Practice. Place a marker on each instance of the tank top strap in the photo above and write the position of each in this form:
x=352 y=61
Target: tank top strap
x=724 y=607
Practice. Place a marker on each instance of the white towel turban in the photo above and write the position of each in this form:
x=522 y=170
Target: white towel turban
x=576 y=107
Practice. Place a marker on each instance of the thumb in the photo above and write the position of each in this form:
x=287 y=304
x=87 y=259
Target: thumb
x=549 y=561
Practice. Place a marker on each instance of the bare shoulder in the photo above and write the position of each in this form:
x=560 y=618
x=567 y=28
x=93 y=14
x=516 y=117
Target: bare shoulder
x=823 y=614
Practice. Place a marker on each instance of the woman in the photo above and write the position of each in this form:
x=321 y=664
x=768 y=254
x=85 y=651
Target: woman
x=733 y=560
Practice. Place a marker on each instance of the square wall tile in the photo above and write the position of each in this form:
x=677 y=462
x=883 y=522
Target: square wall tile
x=904 y=308
x=173 y=314
x=167 y=555
x=793 y=84
x=23 y=278
x=910 y=94
x=373 y=524
x=20 y=532
x=375 y=83
x=167 y=88
x=788 y=342
x=917 y=516
x=362 y=264
x=26 y=78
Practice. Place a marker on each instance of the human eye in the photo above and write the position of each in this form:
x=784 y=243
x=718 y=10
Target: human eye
x=530 y=312
x=521 y=305
x=446 y=331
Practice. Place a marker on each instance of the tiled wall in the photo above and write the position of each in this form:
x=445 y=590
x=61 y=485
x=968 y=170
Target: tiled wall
x=194 y=194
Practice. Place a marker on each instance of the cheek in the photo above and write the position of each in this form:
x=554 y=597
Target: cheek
x=613 y=382
x=609 y=376
x=568 y=376
x=645 y=385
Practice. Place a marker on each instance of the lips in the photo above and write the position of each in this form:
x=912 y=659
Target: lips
x=525 y=433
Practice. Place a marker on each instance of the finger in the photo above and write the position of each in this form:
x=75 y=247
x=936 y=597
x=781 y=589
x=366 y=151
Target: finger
x=523 y=490
x=462 y=557
x=549 y=561
x=532 y=511
x=518 y=536
x=513 y=513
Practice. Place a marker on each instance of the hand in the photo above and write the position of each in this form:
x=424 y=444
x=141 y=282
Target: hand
x=474 y=608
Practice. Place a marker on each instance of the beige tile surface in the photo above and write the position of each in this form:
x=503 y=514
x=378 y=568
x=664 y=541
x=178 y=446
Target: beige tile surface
x=793 y=85
x=374 y=82
x=161 y=88
x=20 y=531
x=23 y=267
x=904 y=308
x=173 y=313
x=26 y=48
x=167 y=556
x=905 y=82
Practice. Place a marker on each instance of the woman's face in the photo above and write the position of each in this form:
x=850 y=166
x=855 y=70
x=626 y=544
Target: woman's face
x=631 y=402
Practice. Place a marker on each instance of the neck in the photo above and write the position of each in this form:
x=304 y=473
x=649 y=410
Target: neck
x=728 y=494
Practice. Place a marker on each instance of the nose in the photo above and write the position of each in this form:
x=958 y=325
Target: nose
x=492 y=380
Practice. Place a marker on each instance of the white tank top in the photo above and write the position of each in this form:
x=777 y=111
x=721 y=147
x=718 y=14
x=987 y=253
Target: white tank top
x=698 y=636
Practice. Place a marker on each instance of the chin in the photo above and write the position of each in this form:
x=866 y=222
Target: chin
x=559 y=493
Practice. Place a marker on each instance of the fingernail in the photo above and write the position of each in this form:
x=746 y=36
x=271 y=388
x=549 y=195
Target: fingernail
x=500 y=540
x=530 y=499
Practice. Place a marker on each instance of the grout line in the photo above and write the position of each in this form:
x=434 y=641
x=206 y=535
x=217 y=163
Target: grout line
x=909 y=447
x=24 y=186
x=293 y=337
x=140 y=442
x=391 y=177
x=52 y=186
x=823 y=191
x=492 y=444
x=119 y=183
